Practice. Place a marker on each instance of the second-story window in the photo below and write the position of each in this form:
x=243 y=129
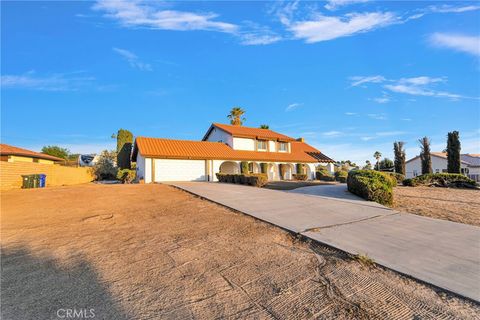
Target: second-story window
x=261 y=145
x=283 y=146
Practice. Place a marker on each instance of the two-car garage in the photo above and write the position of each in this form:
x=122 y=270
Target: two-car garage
x=178 y=170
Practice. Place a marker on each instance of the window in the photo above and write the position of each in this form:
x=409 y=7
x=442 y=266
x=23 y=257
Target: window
x=261 y=145
x=415 y=173
x=437 y=170
x=282 y=146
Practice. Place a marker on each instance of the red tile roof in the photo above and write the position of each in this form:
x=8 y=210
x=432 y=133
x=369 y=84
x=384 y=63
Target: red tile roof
x=7 y=150
x=247 y=132
x=187 y=149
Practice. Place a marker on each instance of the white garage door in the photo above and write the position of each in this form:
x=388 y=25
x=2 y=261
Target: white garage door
x=179 y=170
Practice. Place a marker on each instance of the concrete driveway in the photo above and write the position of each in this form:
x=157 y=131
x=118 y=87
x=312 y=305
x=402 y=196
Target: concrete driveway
x=443 y=253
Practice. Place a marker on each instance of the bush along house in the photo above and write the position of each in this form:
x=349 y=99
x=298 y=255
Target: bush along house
x=226 y=149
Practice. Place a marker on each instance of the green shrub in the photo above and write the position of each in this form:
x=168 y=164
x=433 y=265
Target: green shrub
x=299 y=168
x=324 y=176
x=263 y=167
x=105 y=168
x=371 y=185
x=256 y=179
x=126 y=175
x=341 y=176
x=244 y=167
x=398 y=177
x=446 y=180
x=300 y=177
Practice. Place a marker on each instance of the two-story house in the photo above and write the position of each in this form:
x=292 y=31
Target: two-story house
x=223 y=149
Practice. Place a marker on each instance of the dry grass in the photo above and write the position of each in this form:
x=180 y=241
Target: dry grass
x=458 y=205
x=151 y=251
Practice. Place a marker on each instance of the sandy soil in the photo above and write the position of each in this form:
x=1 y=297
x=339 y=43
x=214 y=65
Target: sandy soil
x=151 y=251
x=458 y=205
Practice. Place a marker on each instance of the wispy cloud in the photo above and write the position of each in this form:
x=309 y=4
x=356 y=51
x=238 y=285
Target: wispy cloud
x=335 y=4
x=359 y=80
x=350 y=113
x=417 y=86
x=155 y=16
x=381 y=100
x=53 y=82
x=333 y=134
x=324 y=28
x=133 y=60
x=377 y=116
x=255 y=34
x=453 y=9
x=463 y=43
x=293 y=106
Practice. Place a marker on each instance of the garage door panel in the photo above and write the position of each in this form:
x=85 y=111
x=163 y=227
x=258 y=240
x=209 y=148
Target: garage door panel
x=179 y=170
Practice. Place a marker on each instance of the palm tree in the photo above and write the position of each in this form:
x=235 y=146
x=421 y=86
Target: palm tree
x=377 y=155
x=264 y=126
x=235 y=116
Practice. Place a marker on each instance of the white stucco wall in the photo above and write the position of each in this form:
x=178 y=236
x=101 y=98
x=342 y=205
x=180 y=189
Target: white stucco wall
x=218 y=135
x=243 y=144
x=272 y=146
x=438 y=165
x=148 y=170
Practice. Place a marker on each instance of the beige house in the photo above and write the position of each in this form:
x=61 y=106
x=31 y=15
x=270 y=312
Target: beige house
x=14 y=154
x=222 y=150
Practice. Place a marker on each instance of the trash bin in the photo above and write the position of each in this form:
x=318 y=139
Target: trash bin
x=36 y=180
x=28 y=181
x=43 y=180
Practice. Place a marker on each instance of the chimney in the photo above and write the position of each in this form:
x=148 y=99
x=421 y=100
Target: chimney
x=301 y=139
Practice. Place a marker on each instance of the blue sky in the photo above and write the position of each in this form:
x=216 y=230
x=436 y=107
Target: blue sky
x=349 y=76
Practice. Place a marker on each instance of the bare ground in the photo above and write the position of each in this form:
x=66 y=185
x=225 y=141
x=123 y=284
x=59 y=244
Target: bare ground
x=458 y=205
x=151 y=251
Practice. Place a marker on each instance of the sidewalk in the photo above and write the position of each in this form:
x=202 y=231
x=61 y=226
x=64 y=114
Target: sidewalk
x=443 y=253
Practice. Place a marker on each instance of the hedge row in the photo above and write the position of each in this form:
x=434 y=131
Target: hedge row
x=324 y=176
x=341 y=176
x=447 y=180
x=253 y=179
x=299 y=176
x=397 y=178
x=371 y=185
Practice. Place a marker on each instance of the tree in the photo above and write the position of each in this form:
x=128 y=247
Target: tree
x=425 y=155
x=105 y=168
x=124 y=148
x=399 y=151
x=368 y=165
x=56 y=151
x=386 y=164
x=235 y=116
x=377 y=155
x=264 y=126
x=453 y=152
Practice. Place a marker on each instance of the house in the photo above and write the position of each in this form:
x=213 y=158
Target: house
x=222 y=149
x=14 y=154
x=469 y=164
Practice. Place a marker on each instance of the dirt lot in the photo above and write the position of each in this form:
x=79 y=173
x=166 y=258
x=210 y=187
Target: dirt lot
x=151 y=251
x=458 y=205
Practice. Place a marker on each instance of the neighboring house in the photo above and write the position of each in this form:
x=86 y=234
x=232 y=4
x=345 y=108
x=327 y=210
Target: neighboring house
x=222 y=149
x=14 y=154
x=87 y=160
x=469 y=164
